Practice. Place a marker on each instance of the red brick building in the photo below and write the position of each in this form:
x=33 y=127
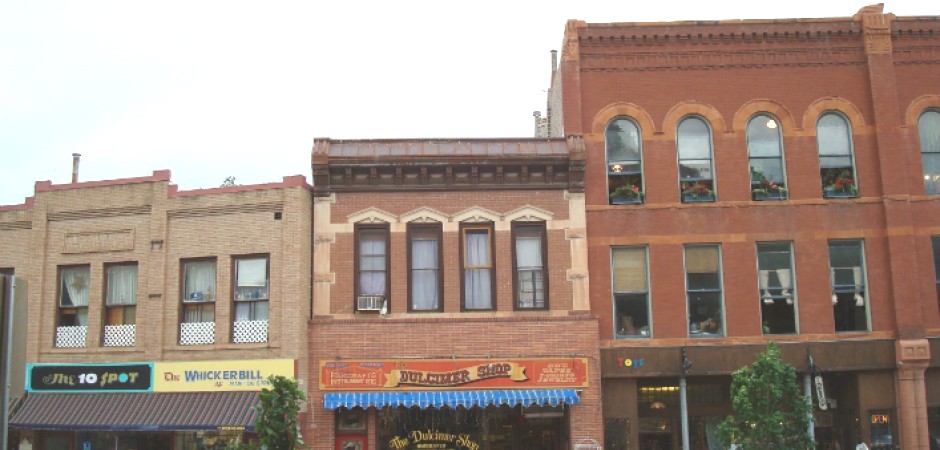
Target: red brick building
x=755 y=181
x=450 y=296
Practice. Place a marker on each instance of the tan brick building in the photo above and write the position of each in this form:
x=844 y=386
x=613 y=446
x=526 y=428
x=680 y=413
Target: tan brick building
x=753 y=181
x=138 y=277
x=450 y=279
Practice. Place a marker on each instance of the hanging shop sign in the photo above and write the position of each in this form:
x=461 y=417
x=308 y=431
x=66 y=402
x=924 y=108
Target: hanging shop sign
x=134 y=377
x=453 y=374
x=820 y=392
x=208 y=376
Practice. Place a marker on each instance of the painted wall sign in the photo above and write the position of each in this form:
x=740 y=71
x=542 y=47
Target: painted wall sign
x=432 y=439
x=134 y=377
x=453 y=374
x=233 y=375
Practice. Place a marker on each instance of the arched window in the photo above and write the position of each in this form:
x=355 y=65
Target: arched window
x=928 y=127
x=765 y=156
x=836 y=165
x=624 y=162
x=694 y=143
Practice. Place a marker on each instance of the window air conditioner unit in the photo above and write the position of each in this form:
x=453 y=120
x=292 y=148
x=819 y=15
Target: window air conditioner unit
x=370 y=303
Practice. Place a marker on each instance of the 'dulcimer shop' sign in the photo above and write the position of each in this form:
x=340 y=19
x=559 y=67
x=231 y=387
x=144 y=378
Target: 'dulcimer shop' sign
x=424 y=374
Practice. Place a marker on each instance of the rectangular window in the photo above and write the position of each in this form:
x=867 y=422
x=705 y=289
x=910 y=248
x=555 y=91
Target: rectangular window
x=936 y=263
x=631 y=292
x=703 y=290
x=849 y=291
x=199 y=291
x=372 y=259
x=530 y=276
x=424 y=262
x=477 y=267
x=73 y=296
x=6 y=271
x=121 y=296
x=251 y=288
x=775 y=281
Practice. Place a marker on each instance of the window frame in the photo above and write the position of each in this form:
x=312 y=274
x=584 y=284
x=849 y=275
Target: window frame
x=634 y=178
x=108 y=306
x=203 y=305
x=60 y=310
x=783 y=298
x=774 y=190
x=719 y=292
x=385 y=229
x=233 y=280
x=935 y=243
x=437 y=229
x=518 y=227
x=830 y=172
x=490 y=228
x=686 y=182
x=840 y=292
x=646 y=293
x=931 y=180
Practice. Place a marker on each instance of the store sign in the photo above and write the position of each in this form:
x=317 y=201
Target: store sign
x=820 y=393
x=432 y=439
x=208 y=376
x=135 y=377
x=451 y=373
x=880 y=419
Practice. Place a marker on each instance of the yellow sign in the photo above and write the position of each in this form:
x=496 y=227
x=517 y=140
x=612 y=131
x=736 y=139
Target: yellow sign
x=215 y=376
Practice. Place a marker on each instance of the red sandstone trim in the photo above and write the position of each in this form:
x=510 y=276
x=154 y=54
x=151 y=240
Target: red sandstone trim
x=28 y=204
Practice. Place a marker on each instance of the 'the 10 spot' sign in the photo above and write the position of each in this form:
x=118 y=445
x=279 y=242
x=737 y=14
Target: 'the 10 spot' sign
x=91 y=377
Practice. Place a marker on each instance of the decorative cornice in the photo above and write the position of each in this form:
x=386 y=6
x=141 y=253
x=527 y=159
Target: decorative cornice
x=424 y=215
x=476 y=214
x=721 y=59
x=371 y=215
x=528 y=213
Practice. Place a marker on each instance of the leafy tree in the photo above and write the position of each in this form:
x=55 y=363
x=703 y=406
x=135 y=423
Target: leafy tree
x=228 y=182
x=277 y=425
x=770 y=411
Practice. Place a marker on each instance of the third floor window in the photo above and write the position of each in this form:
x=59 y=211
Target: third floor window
x=694 y=145
x=624 y=162
x=836 y=156
x=928 y=128
x=765 y=156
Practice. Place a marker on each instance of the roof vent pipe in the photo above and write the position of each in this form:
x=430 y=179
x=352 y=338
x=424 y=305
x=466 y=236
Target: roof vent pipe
x=75 y=158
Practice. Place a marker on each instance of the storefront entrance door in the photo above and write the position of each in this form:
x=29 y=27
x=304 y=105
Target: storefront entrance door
x=347 y=442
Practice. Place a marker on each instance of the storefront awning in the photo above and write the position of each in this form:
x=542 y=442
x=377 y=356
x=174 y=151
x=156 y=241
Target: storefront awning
x=452 y=399
x=141 y=411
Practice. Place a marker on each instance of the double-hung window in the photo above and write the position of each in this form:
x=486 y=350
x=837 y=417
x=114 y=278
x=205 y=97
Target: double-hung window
x=775 y=282
x=252 y=287
x=703 y=290
x=424 y=262
x=529 y=274
x=765 y=156
x=199 y=292
x=836 y=157
x=477 y=274
x=120 y=305
x=694 y=144
x=928 y=128
x=849 y=290
x=72 y=326
x=624 y=162
x=936 y=263
x=372 y=260
x=631 y=292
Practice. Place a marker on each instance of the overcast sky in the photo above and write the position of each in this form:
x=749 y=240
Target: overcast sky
x=211 y=89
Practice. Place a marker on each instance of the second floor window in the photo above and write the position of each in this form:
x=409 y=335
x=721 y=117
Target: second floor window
x=73 y=296
x=199 y=291
x=703 y=290
x=836 y=160
x=849 y=290
x=121 y=297
x=775 y=281
x=631 y=292
x=694 y=144
x=928 y=129
x=372 y=258
x=425 y=281
x=624 y=162
x=765 y=156
x=477 y=267
x=251 y=288
x=529 y=260
x=936 y=263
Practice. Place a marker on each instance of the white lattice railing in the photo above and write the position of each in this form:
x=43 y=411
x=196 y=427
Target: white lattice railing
x=195 y=333
x=251 y=331
x=120 y=335
x=71 y=336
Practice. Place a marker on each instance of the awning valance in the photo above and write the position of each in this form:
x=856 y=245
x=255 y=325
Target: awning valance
x=452 y=399
x=137 y=411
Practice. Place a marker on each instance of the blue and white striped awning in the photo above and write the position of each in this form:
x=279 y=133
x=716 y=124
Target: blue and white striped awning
x=452 y=399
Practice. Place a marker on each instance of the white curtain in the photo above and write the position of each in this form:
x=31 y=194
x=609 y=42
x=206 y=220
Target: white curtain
x=763 y=277
x=424 y=273
x=478 y=293
x=122 y=285
x=251 y=278
x=251 y=311
x=529 y=265
x=372 y=271
x=200 y=280
x=75 y=283
x=783 y=275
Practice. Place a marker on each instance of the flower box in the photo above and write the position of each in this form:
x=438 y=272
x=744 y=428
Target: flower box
x=626 y=200
x=700 y=198
x=836 y=193
x=759 y=195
